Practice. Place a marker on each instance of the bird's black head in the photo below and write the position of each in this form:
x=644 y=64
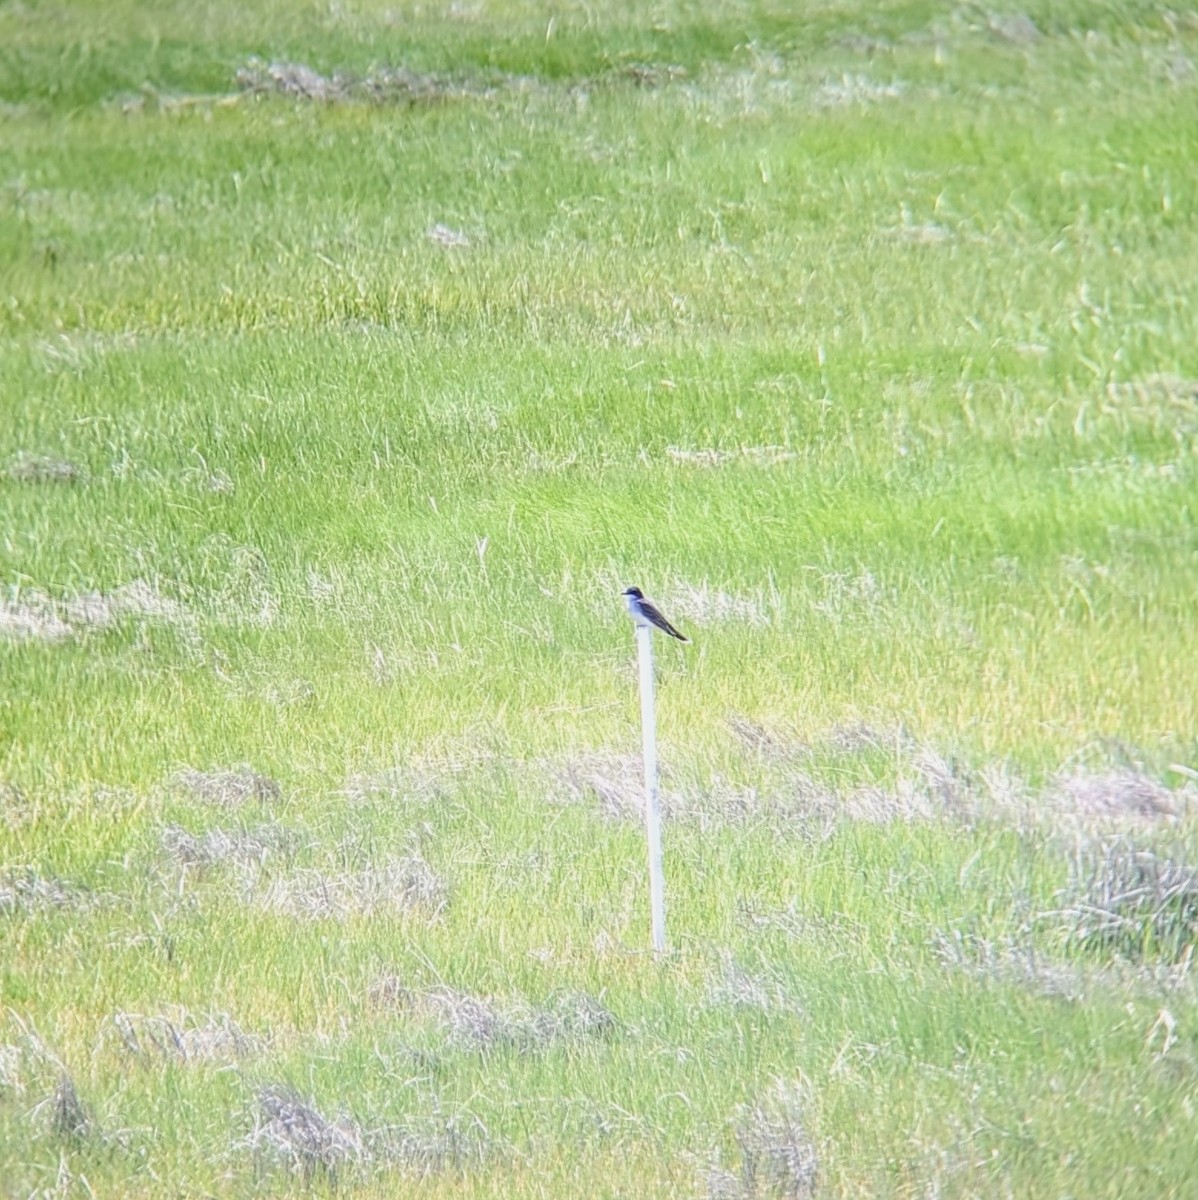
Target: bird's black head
x=634 y=592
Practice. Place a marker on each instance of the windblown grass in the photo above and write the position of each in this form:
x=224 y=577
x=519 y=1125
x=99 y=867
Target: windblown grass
x=356 y=356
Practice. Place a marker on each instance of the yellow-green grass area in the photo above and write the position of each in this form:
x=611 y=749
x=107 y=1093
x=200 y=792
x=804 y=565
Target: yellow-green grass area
x=354 y=357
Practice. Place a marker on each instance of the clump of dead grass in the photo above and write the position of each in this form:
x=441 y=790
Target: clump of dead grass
x=450 y=238
x=12 y=1079
x=649 y=74
x=860 y=737
x=485 y=1024
x=227 y=787
x=382 y=84
x=1158 y=388
x=63 y=1112
x=734 y=986
x=857 y=89
x=407 y=785
x=216 y=846
x=778 y=1158
x=99 y=610
x=1132 y=900
x=1117 y=795
x=758 y=456
x=290 y=79
x=291 y=1132
x=794 y=803
x=704 y=604
x=68 y=1116
x=399 y=885
x=433 y=1146
x=612 y=782
x=769 y=743
x=297 y=1135
x=26 y=467
x=25 y=890
x=33 y=615
x=1012 y=961
x=183 y=1037
x=29 y=614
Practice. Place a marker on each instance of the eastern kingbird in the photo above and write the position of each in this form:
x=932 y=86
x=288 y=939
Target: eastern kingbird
x=645 y=612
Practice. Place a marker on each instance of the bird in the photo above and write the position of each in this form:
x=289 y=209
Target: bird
x=645 y=612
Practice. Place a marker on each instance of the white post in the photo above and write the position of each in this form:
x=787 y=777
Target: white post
x=657 y=884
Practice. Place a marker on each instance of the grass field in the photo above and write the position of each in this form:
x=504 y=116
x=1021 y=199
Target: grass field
x=355 y=355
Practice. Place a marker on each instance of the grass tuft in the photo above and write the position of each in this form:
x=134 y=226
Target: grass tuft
x=184 y=1037
x=25 y=890
x=1130 y=899
x=1012 y=960
x=734 y=986
x=1116 y=795
x=32 y=614
x=215 y=846
x=778 y=1158
x=485 y=1025
x=453 y=1144
x=68 y=1116
x=613 y=782
x=399 y=885
x=231 y=787
x=43 y=468
x=295 y=1134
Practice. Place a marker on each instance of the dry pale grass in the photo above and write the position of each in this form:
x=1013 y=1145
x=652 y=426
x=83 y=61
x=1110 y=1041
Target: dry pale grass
x=211 y=480
x=444 y=235
x=758 y=456
x=859 y=737
x=68 y=1116
x=98 y=610
x=31 y=614
x=1132 y=900
x=612 y=782
x=63 y=1113
x=24 y=890
x=733 y=986
x=1117 y=795
x=397 y=886
x=216 y=846
x=764 y=741
x=431 y=1147
x=792 y=800
x=778 y=1157
x=403 y=785
x=853 y=598
x=43 y=468
x=12 y=1077
x=382 y=84
x=297 y=1135
x=291 y=79
x=703 y=604
x=1155 y=390
x=1010 y=961
x=857 y=89
x=227 y=787
x=794 y=804
x=789 y=798
x=485 y=1024
x=782 y=787
x=291 y=1132
x=182 y=1037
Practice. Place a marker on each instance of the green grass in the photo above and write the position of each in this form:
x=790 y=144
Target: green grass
x=862 y=336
